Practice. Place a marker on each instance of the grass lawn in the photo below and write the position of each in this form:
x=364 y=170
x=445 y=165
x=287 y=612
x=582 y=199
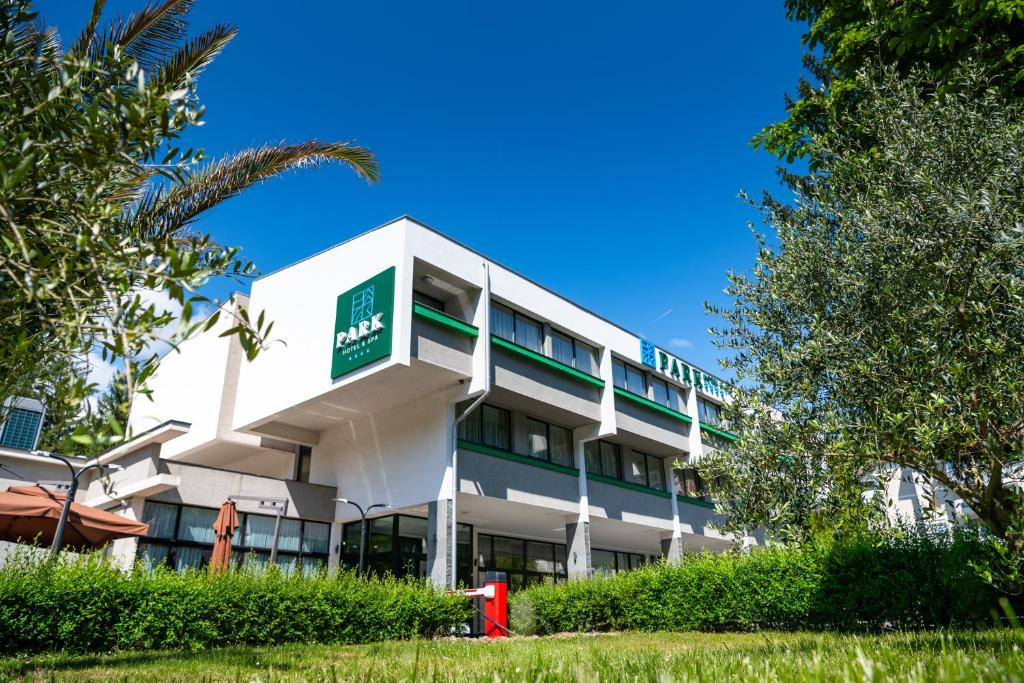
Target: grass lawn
x=767 y=656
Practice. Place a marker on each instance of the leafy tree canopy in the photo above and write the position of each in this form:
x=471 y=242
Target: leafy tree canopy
x=845 y=36
x=98 y=202
x=882 y=322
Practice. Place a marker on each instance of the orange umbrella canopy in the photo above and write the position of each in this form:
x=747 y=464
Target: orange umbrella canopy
x=224 y=527
x=30 y=513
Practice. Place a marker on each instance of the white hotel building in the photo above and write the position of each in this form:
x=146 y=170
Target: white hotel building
x=564 y=465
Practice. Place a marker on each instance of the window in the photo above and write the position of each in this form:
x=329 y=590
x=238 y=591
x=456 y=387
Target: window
x=182 y=537
x=516 y=328
x=574 y=353
x=469 y=428
x=661 y=395
x=560 y=446
x=529 y=334
x=503 y=322
x=709 y=413
x=689 y=483
x=303 y=460
x=537 y=439
x=619 y=374
x=497 y=431
x=563 y=349
x=161 y=518
x=428 y=301
x=21 y=428
x=603 y=457
x=397 y=545
x=609 y=562
x=635 y=381
x=489 y=426
x=549 y=442
x=525 y=562
x=645 y=470
x=586 y=358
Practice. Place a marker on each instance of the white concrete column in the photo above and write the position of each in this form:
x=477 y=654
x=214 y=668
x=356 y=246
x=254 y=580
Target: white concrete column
x=696 y=446
x=608 y=425
x=439 y=548
x=672 y=546
x=334 y=547
x=577 y=528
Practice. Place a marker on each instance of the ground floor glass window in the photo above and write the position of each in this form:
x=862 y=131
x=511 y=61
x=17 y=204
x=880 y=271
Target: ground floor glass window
x=525 y=562
x=397 y=545
x=182 y=537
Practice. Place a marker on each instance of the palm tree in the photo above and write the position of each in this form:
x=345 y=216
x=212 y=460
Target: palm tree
x=96 y=203
x=155 y=38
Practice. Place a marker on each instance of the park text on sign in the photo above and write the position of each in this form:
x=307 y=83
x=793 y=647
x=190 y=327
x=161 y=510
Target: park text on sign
x=680 y=371
x=362 y=323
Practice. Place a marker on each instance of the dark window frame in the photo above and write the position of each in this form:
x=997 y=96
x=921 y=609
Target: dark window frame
x=303 y=463
x=599 y=443
x=690 y=474
x=527 y=576
x=547 y=436
x=239 y=551
x=395 y=555
x=574 y=341
x=702 y=411
x=428 y=300
x=478 y=438
x=626 y=368
x=516 y=316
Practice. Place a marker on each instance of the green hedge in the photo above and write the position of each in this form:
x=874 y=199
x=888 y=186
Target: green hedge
x=87 y=605
x=910 y=581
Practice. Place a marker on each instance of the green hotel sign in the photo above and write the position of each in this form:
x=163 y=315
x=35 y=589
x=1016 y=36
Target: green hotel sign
x=362 y=324
x=679 y=370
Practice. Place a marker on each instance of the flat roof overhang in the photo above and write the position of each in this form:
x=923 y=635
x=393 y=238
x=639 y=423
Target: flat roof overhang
x=387 y=388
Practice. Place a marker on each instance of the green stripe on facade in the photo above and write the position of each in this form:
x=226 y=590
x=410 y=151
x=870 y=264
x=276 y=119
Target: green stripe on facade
x=444 y=319
x=714 y=430
x=515 y=457
x=628 y=485
x=550 y=362
x=648 y=403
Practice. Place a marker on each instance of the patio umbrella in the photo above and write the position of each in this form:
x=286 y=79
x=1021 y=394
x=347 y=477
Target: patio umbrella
x=224 y=527
x=29 y=513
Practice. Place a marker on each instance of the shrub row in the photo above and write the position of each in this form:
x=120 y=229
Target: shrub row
x=913 y=581
x=87 y=605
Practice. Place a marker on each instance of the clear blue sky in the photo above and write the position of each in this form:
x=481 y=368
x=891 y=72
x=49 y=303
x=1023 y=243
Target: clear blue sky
x=596 y=148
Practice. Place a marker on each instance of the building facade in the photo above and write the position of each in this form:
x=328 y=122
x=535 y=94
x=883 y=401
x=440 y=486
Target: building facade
x=506 y=427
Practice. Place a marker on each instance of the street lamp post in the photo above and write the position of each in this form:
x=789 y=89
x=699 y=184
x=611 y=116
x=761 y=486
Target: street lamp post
x=362 y=528
x=58 y=535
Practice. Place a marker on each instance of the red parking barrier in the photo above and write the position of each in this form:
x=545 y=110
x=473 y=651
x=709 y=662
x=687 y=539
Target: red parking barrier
x=495 y=595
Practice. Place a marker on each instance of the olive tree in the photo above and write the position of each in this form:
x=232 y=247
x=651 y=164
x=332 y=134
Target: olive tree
x=882 y=322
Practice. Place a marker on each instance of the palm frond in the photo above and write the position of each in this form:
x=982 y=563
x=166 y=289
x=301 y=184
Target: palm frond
x=165 y=212
x=194 y=56
x=151 y=35
x=47 y=49
x=87 y=38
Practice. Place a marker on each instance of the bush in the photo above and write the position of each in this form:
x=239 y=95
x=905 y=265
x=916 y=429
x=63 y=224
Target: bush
x=909 y=580
x=87 y=605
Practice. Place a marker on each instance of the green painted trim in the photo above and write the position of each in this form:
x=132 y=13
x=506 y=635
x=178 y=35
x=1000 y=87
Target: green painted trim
x=628 y=485
x=550 y=362
x=714 y=430
x=515 y=457
x=648 y=403
x=444 y=319
x=699 y=502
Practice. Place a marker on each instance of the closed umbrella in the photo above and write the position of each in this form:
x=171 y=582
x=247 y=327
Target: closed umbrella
x=224 y=527
x=31 y=513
